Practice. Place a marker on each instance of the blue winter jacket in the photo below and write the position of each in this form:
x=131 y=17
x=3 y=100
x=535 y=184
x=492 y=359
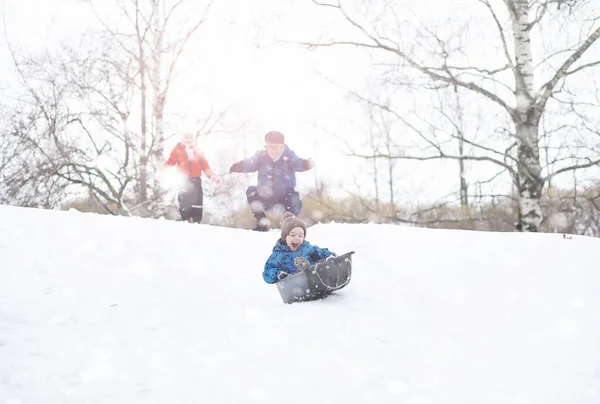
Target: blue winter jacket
x=275 y=178
x=282 y=259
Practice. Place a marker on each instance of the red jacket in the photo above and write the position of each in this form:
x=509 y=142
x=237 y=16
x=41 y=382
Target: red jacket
x=189 y=167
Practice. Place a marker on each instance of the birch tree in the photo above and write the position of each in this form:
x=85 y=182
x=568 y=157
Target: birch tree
x=520 y=86
x=151 y=36
x=91 y=116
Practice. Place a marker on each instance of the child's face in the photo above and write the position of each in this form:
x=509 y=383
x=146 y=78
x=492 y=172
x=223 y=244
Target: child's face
x=295 y=238
x=189 y=139
x=273 y=149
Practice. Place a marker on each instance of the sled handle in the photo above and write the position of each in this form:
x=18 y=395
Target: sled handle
x=346 y=258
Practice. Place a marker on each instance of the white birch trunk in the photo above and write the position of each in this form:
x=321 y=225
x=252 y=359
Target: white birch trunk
x=526 y=120
x=143 y=182
x=157 y=79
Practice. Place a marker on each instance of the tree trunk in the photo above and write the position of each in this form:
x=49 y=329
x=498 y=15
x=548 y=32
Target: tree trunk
x=157 y=78
x=143 y=184
x=526 y=121
x=391 y=174
x=375 y=171
x=530 y=178
x=464 y=190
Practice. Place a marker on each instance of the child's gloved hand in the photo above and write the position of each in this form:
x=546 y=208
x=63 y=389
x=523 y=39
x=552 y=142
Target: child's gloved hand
x=307 y=164
x=237 y=167
x=282 y=275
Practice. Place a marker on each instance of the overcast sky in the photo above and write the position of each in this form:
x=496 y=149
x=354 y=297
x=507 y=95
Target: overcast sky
x=232 y=63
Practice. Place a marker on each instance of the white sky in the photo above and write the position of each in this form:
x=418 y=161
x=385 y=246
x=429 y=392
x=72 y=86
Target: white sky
x=275 y=87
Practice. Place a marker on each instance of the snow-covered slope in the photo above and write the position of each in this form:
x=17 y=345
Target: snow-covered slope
x=97 y=309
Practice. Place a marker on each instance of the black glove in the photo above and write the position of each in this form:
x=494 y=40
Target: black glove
x=307 y=164
x=237 y=167
x=282 y=275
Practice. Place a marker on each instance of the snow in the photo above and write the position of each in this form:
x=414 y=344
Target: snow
x=98 y=309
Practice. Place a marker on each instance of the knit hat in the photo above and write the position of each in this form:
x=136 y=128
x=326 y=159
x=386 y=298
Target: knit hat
x=288 y=222
x=274 y=137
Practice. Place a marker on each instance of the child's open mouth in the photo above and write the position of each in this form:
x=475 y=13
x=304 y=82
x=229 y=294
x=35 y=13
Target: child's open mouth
x=295 y=245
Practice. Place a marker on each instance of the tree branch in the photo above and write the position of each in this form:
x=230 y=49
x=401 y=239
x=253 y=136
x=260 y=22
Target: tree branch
x=574 y=167
x=547 y=89
x=378 y=44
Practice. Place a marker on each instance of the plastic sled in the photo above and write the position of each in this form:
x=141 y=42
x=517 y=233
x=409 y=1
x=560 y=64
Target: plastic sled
x=317 y=281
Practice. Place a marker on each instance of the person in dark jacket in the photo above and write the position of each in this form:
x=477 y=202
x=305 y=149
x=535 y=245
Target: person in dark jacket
x=191 y=164
x=291 y=246
x=277 y=166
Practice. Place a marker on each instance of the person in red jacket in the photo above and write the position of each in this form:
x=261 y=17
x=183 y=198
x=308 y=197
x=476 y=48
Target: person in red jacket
x=191 y=164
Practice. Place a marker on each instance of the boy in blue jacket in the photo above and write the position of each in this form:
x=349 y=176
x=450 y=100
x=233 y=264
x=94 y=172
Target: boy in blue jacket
x=290 y=247
x=277 y=165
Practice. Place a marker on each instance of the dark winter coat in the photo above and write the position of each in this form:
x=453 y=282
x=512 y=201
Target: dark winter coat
x=275 y=178
x=282 y=259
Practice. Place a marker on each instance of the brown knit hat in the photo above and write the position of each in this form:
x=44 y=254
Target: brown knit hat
x=274 y=137
x=288 y=222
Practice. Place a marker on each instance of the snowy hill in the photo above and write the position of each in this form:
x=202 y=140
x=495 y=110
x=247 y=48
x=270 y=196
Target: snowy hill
x=97 y=309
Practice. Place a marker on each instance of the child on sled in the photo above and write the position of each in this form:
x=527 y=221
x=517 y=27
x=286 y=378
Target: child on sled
x=292 y=253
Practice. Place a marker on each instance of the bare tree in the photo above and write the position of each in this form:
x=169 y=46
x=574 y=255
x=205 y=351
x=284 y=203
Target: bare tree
x=459 y=126
x=383 y=141
x=92 y=116
x=151 y=39
x=23 y=167
x=53 y=137
x=374 y=146
x=435 y=59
